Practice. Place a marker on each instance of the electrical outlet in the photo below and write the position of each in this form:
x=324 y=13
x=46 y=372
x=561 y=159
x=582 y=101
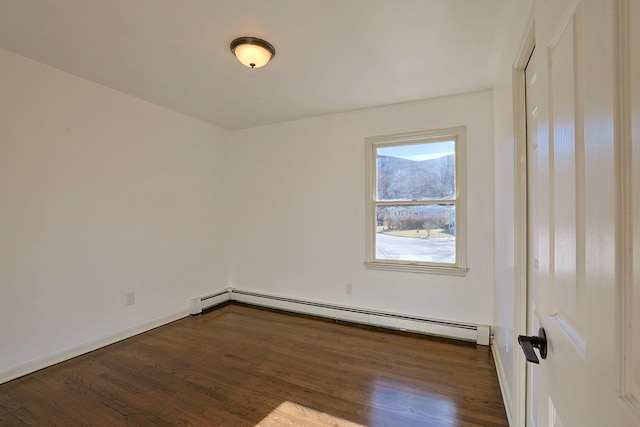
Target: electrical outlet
x=348 y=289
x=131 y=298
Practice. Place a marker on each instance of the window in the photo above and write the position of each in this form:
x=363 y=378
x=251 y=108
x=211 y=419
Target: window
x=416 y=202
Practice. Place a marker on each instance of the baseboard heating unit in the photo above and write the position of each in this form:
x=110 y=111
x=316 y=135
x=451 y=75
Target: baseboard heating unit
x=196 y=305
x=463 y=331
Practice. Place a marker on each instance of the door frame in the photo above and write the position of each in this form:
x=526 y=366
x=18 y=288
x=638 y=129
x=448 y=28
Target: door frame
x=521 y=269
x=624 y=164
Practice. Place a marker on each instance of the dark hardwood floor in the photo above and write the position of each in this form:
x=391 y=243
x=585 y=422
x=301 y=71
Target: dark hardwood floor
x=244 y=366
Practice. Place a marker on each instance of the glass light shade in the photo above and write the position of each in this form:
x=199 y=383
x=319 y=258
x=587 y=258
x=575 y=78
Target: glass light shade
x=252 y=55
x=252 y=52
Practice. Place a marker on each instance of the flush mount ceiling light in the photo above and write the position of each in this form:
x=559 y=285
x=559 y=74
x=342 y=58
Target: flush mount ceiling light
x=252 y=52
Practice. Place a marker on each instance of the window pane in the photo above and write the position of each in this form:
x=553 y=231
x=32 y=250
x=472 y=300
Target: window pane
x=416 y=172
x=424 y=233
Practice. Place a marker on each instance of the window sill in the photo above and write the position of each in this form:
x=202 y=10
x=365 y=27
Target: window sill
x=416 y=268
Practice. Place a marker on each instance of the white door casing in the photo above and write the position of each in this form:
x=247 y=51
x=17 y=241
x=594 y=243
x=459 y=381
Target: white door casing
x=582 y=107
x=533 y=185
x=628 y=133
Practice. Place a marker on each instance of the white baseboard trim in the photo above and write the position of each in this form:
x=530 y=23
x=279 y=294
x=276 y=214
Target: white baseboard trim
x=502 y=380
x=457 y=330
x=71 y=352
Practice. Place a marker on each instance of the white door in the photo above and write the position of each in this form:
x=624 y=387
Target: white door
x=582 y=107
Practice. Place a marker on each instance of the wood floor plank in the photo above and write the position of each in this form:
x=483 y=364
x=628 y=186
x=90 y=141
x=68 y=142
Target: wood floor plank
x=244 y=366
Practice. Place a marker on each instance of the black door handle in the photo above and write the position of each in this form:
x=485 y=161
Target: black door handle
x=528 y=343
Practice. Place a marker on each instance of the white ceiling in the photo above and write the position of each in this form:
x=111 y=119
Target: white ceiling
x=331 y=55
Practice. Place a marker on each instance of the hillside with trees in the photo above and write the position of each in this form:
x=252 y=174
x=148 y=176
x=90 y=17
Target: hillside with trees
x=403 y=179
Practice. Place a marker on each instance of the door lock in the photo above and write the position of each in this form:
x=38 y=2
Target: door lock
x=528 y=343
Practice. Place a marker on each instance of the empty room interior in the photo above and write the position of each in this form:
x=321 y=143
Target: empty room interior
x=320 y=212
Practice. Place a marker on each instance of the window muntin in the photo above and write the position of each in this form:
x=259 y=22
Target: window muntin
x=416 y=207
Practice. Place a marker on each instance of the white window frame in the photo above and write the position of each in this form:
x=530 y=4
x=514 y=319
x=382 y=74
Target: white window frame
x=457 y=134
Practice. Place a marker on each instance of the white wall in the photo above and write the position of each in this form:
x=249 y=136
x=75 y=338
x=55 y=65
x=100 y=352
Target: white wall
x=100 y=194
x=103 y=194
x=504 y=315
x=298 y=211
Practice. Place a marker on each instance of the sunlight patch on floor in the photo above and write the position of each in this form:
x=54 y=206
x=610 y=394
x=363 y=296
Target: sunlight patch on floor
x=293 y=414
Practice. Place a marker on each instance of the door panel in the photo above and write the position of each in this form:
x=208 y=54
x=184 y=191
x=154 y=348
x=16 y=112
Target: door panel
x=576 y=219
x=567 y=182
